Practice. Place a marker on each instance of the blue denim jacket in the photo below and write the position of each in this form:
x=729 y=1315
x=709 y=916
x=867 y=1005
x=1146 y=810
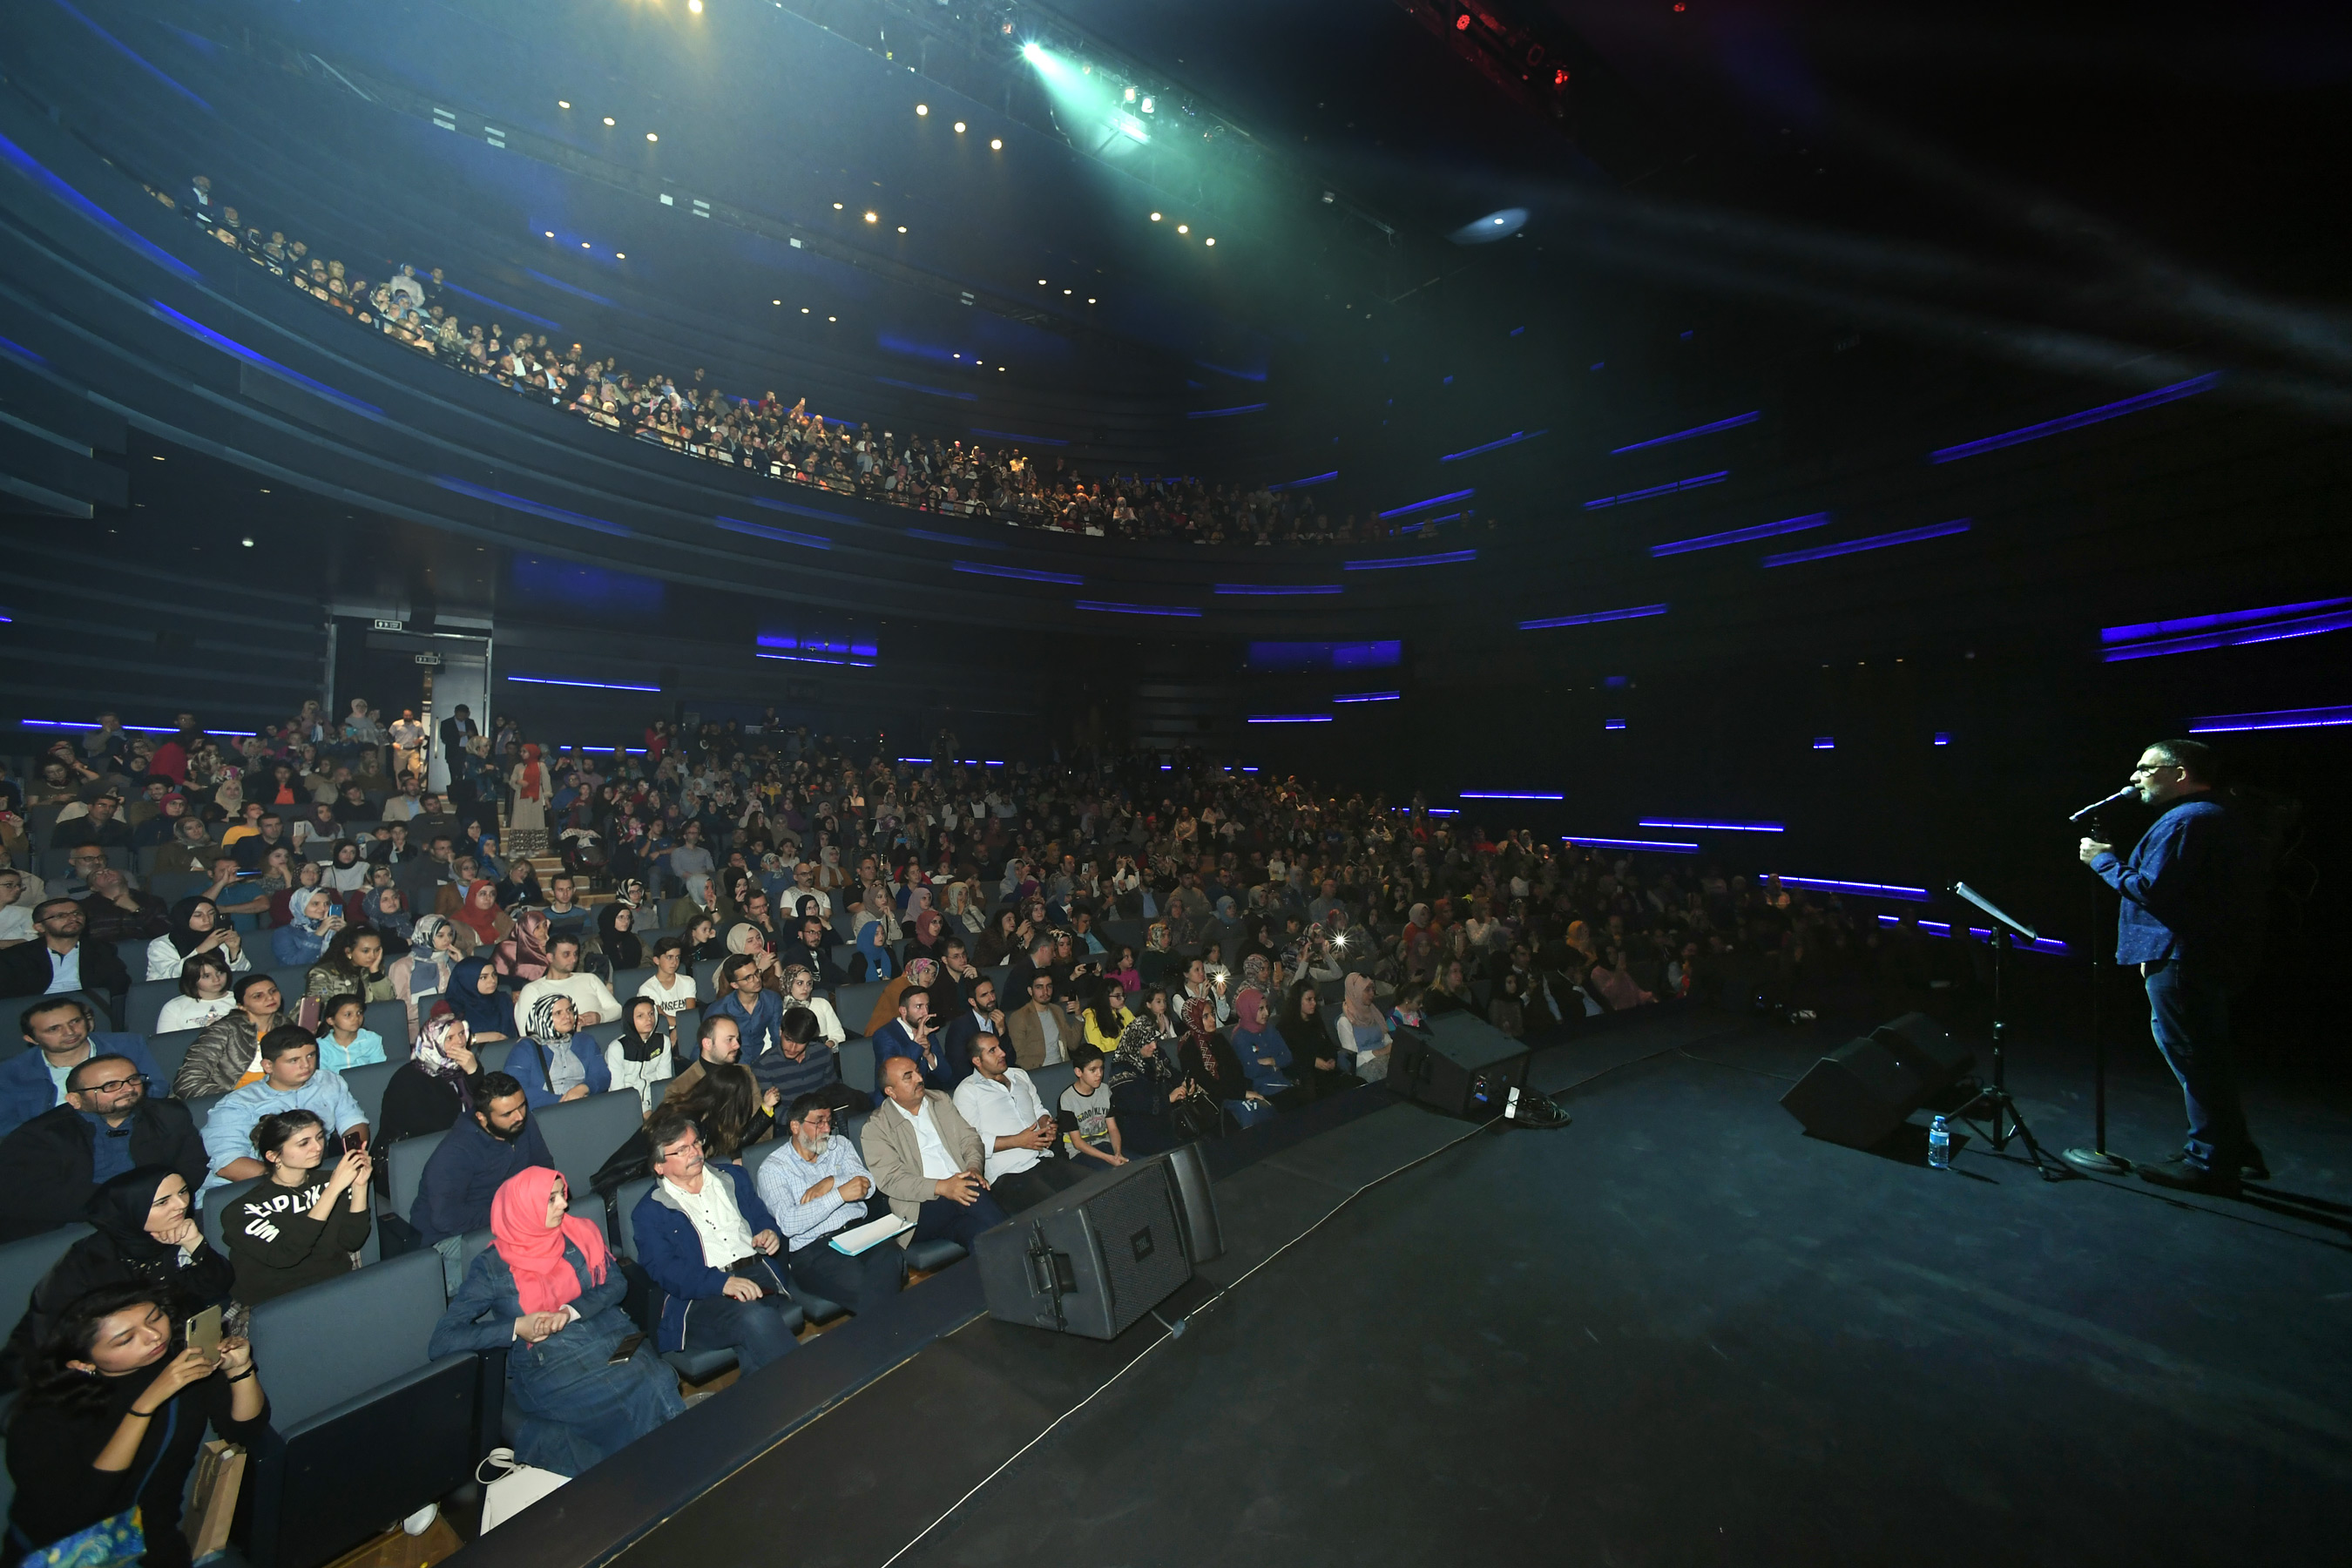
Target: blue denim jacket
x=2180 y=887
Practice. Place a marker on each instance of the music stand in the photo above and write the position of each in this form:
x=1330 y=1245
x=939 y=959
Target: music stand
x=1996 y=1094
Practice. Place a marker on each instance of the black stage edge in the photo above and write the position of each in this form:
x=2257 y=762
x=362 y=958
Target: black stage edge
x=1679 y=1331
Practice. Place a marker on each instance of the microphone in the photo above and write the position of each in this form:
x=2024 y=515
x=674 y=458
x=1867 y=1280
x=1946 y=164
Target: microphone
x=2124 y=794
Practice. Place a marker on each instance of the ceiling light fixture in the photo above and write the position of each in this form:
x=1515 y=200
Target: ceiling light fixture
x=651 y=137
x=584 y=244
x=1155 y=217
x=1211 y=240
x=695 y=6
x=996 y=145
x=837 y=206
x=620 y=255
x=958 y=127
x=550 y=234
x=871 y=218
x=562 y=104
x=902 y=229
x=1183 y=229
x=922 y=109
x=608 y=119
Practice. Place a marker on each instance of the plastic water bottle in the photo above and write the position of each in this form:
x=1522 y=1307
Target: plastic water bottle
x=1940 y=1145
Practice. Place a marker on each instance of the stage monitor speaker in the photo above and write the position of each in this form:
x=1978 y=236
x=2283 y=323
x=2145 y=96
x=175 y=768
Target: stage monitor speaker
x=1463 y=1066
x=1857 y=1095
x=1926 y=1049
x=1196 y=1203
x=1095 y=1259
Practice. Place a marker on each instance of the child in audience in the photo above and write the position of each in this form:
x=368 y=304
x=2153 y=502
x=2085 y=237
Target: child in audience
x=345 y=1043
x=1130 y=979
x=1091 y=1128
x=203 y=995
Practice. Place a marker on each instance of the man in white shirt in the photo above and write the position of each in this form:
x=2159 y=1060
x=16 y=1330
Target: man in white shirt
x=1017 y=1133
x=926 y=1160
x=710 y=1245
x=593 y=1001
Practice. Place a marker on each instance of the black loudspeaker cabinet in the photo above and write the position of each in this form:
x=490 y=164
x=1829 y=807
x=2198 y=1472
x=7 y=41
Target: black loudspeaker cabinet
x=1926 y=1048
x=1097 y=1259
x=1196 y=1203
x=1461 y=1066
x=1865 y=1088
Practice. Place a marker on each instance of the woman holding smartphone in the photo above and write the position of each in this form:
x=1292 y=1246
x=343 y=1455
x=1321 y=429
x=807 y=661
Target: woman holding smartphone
x=112 y=1419
x=297 y=1227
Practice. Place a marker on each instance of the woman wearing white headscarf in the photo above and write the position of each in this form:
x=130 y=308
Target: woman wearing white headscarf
x=315 y=920
x=420 y=978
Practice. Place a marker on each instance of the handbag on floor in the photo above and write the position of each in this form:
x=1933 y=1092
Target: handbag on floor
x=510 y=1487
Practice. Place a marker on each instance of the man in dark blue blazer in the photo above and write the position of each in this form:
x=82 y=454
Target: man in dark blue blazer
x=2185 y=923
x=710 y=1245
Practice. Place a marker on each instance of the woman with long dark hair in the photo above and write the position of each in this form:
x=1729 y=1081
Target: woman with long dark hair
x=112 y=1419
x=143 y=1231
x=298 y=1227
x=1314 y=1056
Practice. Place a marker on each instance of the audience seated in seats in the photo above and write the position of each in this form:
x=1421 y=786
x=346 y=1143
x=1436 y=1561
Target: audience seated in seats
x=743 y=995
x=485 y=1007
x=522 y=957
x=548 y=1293
x=203 y=997
x=51 y=1165
x=1103 y=1014
x=189 y=851
x=592 y=1000
x=916 y=1035
x=1211 y=1069
x=1042 y=1030
x=1363 y=1032
x=143 y=1231
x=313 y=919
x=641 y=1058
x=1035 y=959
x=799 y=990
x=1090 y=1127
x=61 y=959
x=671 y=985
x=1144 y=1078
x=345 y=1039
x=227 y=1055
x=115 y=910
x=101 y=827
x=979 y=1014
x=803 y=1063
x=711 y=1247
x=482 y=1151
x=1020 y=1135
x=926 y=1160
x=1615 y=982
x=196 y=926
x=15 y=902
x=554 y=1062
x=487 y=924
x=815 y=1187
x=300 y=1227
x=232 y=894
x=1255 y=1037
x=112 y=1418
x=60 y=1033
x=438 y=1084
x=721 y=1097
x=1315 y=1061
x=354 y=962
x=291 y=1080
x=422 y=975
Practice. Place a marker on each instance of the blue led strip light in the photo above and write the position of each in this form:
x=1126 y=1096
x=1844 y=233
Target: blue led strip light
x=597 y=685
x=819 y=513
x=536 y=508
x=1226 y=412
x=33 y=169
x=1433 y=500
x=2144 y=631
x=1302 y=484
x=1875 y=542
x=2173 y=393
x=780 y=535
x=1513 y=439
x=1733 y=423
x=1105 y=607
x=817 y=659
x=1661 y=845
x=134 y=728
x=1027 y=575
x=1272 y=590
x=1288 y=718
x=2278 y=718
x=1742 y=535
x=1444 y=558
x=1593 y=618
x=235 y=350
x=1369 y=696
x=1714 y=826
x=2231 y=635
x=1506 y=794
x=135 y=58
x=956 y=539
x=1700 y=481
x=1867 y=889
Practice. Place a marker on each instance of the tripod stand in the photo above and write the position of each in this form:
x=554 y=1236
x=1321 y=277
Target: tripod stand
x=2007 y=1121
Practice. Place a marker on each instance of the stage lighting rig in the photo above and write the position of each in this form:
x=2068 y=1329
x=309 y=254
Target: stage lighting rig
x=1518 y=44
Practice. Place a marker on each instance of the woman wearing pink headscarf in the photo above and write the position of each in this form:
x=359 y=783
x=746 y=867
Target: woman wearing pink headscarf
x=545 y=1291
x=526 y=831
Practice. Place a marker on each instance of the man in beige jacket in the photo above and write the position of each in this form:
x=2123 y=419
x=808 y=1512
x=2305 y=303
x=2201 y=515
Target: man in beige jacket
x=926 y=1160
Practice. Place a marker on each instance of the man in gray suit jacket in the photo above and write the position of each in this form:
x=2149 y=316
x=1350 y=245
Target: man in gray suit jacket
x=926 y=1160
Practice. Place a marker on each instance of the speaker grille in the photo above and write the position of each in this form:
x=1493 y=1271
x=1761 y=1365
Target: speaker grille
x=1133 y=1227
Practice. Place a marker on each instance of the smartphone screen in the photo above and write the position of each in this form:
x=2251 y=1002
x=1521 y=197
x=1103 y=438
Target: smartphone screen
x=204 y=1333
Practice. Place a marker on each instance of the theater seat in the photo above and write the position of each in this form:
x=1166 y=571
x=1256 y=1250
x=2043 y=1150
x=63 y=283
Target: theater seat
x=405 y=1164
x=145 y=1000
x=858 y=1065
x=627 y=981
x=218 y=1204
x=581 y=1134
x=169 y=1051
x=854 y=1004
x=928 y=1257
x=366 y=1084
x=372 y=1428
x=22 y=1264
x=390 y=1019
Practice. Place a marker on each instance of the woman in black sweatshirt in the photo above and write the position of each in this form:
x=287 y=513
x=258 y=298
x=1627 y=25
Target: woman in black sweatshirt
x=296 y=1228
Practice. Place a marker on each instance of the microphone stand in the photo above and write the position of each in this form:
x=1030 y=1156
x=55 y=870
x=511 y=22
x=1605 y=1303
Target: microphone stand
x=2096 y=1160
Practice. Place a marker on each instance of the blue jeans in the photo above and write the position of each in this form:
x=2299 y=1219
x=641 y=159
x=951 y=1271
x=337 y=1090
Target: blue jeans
x=2189 y=1013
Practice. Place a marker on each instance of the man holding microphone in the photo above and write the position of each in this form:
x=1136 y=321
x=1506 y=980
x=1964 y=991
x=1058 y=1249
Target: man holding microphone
x=2183 y=922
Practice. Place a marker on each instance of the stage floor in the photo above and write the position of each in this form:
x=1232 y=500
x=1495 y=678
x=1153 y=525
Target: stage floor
x=1678 y=1332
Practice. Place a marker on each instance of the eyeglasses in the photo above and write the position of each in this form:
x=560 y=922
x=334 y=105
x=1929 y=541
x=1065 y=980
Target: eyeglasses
x=112 y=1086
x=2152 y=767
